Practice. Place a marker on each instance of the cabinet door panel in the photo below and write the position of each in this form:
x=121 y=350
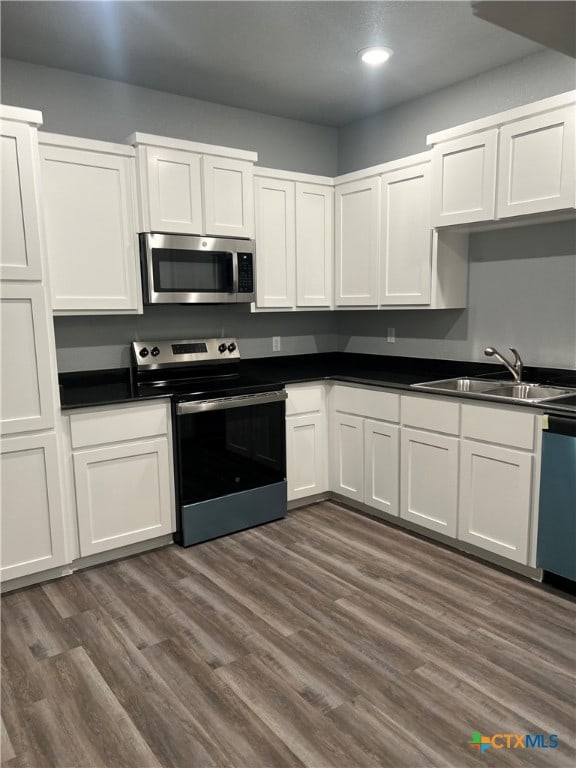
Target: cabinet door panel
x=536 y=164
x=20 y=253
x=357 y=242
x=314 y=249
x=306 y=455
x=174 y=191
x=276 y=243
x=347 y=445
x=382 y=466
x=464 y=179
x=406 y=248
x=228 y=197
x=32 y=523
x=26 y=383
x=495 y=499
x=91 y=235
x=123 y=494
x=429 y=480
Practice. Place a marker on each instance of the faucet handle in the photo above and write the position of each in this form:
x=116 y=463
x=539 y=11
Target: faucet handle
x=518 y=364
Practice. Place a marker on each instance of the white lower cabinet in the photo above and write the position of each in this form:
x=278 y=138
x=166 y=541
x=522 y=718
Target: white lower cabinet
x=31 y=503
x=429 y=480
x=123 y=489
x=381 y=461
x=306 y=441
x=347 y=445
x=495 y=499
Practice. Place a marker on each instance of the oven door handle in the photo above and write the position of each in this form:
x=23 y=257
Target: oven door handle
x=240 y=401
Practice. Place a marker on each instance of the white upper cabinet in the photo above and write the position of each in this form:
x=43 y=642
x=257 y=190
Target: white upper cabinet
x=228 y=197
x=294 y=226
x=20 y=255
x=275 y=243
x=192 y=188
x=89 y=195
x=537 y=164
x=515 y=163
x=357 y=242
x=314 y=244
x=406 y=236
x=464 y=179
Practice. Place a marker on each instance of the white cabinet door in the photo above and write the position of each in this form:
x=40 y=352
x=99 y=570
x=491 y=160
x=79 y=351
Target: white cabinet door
x=172 y=189
x=495 y=499
x=306 y=455
x=382 y=466
x=123 y=494
x=429 y=480
x=536 y=164
x=464 y=179
x=90 y=214
x=26 y=380
x=347 y=454
x=357 y=242
x=228 y=197
x=406 y=245
x=314 y=245
x=20 y=254
x=32 y=523
x=275 y=243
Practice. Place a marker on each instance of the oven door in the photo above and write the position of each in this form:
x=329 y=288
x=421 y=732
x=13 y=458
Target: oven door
x=230 y=464
x=179 y=269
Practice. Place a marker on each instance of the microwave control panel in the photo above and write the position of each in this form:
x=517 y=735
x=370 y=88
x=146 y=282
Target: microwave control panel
x=245 y=273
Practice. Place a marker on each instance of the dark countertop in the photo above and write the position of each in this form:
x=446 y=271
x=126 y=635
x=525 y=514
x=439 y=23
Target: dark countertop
x=91 y=388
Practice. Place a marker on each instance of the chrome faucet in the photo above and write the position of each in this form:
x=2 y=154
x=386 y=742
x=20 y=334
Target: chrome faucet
x=515 y=368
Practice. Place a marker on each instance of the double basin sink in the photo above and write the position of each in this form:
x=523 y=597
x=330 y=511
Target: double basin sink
x=499 y=390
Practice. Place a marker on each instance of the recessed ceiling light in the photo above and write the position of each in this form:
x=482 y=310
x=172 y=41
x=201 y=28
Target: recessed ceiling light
x=375 y=56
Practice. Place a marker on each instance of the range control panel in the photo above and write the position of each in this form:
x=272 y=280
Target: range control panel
x=154 y=354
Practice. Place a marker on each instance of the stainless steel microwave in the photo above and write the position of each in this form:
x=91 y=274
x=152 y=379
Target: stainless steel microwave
x=186 y=269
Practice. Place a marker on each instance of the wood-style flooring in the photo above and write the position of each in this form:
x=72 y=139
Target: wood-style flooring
x=325 y=639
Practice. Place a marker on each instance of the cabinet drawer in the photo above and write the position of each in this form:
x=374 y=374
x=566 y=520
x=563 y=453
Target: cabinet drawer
x=118 y=424
x=433 y=414
x=367 y=402
x=498 y=425
x=304 y=399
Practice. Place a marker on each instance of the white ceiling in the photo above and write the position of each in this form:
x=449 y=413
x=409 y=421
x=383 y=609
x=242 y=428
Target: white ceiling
x=293 y=59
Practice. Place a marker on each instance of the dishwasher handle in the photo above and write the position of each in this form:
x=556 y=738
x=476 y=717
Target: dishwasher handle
x=223 y=403
x=561 y=425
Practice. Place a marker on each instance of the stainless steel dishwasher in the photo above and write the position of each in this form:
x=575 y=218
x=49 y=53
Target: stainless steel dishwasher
x=557 y=518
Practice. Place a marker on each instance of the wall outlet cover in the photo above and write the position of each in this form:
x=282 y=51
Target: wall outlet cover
x=276 y=344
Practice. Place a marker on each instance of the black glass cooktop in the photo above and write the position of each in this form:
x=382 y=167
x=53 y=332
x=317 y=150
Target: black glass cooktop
x=203 y=388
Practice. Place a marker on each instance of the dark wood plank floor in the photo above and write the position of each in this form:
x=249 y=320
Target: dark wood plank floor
x=326 y=639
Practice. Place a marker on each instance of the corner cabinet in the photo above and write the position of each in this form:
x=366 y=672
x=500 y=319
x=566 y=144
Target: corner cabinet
x=123 y=475
x=89 y=197
x=191 y=188
x=294 y=224
x=516 y=163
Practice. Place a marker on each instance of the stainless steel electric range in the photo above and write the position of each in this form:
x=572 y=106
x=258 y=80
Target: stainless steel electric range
x=229 y=435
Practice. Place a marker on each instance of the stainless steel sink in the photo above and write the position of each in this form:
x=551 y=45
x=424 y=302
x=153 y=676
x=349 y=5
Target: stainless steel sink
x=459 y=385
x=532 y=392
x=499 y=390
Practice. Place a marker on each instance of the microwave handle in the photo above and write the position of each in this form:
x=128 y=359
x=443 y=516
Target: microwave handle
x=234 y=272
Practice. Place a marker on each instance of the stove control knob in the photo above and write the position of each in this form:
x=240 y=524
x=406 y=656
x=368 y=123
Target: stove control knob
x=143 y=352
x=222 y=348
x=154 y=351
x=231 y=347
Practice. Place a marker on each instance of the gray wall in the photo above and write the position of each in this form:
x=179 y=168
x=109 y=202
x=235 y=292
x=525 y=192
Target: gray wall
x=93 y=343
x=95 y=108
x=402 y=130
x=522 y=293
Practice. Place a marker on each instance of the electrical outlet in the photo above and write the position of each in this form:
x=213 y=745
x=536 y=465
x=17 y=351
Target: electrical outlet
x=392 y=334
x=276 y=344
